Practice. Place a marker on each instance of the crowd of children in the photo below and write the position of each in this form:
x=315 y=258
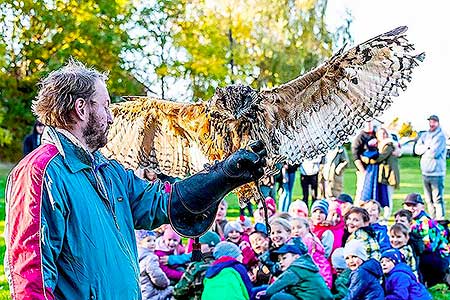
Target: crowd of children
x=335 y=250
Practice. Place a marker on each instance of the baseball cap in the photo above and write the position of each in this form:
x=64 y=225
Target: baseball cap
x=294 y=245
x=413 y=198
x=345 y=198
x=434 y=118
x=289 y=248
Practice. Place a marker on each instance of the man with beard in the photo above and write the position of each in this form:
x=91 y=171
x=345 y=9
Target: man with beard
x=71 y=212
x=431 y=146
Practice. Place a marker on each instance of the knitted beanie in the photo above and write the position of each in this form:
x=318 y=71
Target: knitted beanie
x=338 y=259
x=322 y=205
x=297 y=208
x=232 y=225
x=142 y=234
x=270 y=203
x=355 y=248
x=169 y=233
x=210 y=238
x=244 y=221
x=226 y=249
x=394 y=255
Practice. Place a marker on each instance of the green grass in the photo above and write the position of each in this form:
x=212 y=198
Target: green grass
x=410 y=182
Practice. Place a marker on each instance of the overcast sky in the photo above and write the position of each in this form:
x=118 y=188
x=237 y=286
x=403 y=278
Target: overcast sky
x=429 y=30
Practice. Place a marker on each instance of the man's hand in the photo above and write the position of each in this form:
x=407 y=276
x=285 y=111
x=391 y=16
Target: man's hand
x=248 y=165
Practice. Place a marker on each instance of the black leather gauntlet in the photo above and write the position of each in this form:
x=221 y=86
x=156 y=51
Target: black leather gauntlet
x=194 y=201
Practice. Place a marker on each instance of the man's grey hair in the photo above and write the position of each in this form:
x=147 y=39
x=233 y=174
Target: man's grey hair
x=59 y=90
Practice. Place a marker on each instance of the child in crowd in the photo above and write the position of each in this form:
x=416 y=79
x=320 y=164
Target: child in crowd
x=227 y=277
x=321 y=228
x=259 y=241
x=342 y=276
x=153 y=281
x=300 y=228
x=168 y=244
x=261 y=274
x=247 y=226
x=221 y=219
x=280 y=232
x=190 y=285
x=338 y=208
x=345 y=202
x=271 y=210
x=298 y=208
x=357 y=221
x=365 y=275
x=234 y=233
x=434 y=261
x=374 y=210
x=300 y=278
x=403 y=216
x=399 y=237
x=279 y=235
x=399 y=280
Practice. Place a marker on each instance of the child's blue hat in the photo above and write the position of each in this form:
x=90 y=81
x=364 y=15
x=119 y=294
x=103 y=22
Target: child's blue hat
x=394 y=255
x=322 y=205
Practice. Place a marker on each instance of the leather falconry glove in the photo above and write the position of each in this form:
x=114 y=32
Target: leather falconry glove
x=195 y=200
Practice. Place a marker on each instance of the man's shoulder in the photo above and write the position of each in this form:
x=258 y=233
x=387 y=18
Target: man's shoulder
x=37 y=160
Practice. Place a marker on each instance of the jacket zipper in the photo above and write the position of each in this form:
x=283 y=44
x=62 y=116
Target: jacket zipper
x=104 y=195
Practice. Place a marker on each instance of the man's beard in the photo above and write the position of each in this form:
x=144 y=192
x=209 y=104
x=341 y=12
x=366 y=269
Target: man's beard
x=94 y=137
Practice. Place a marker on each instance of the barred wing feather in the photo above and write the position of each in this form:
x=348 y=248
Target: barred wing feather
x=154 y=133
x=316 y=112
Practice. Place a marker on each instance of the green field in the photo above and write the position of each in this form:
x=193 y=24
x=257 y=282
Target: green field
x=410 y=182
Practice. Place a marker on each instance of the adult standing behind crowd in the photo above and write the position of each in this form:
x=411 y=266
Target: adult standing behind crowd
x=359 y=145
x=331 y=176
x=71 y=212
x=388 y=170
x=309 y=171
x=431 y=146
x=33 y=140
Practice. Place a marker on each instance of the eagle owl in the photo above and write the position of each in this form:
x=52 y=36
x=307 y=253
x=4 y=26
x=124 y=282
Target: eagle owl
x=300 y=119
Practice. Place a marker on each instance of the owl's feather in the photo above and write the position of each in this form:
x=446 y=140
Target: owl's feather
x=303 y=118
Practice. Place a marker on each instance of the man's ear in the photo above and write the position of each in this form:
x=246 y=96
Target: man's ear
x=81 y=109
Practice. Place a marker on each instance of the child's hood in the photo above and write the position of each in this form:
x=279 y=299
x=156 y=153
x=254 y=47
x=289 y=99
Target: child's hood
x=143 y=252
x=219 y=265
x=403 y=268
x=305 y=262
x=373 y=267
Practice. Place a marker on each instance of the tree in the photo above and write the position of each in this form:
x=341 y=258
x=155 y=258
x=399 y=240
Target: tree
x=152 y=57
x=39 y=36
x=261 y=43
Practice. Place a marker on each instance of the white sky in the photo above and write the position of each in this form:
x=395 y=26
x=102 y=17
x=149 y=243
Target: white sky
x=429 y=30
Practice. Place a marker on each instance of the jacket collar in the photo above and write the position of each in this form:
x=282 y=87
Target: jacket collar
x=76 y=157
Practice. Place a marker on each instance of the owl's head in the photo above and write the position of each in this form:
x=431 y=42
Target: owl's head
x=233 y=102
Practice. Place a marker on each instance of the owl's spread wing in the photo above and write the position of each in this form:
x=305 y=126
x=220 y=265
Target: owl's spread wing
x=316 y=112
x=158 y=134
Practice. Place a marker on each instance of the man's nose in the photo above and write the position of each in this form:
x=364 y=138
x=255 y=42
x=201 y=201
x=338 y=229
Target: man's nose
x=110 y=118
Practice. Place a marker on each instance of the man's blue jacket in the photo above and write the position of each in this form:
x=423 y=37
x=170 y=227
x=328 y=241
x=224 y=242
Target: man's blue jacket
x=70 y=223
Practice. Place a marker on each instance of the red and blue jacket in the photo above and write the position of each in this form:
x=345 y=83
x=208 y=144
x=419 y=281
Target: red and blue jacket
x=70 y=223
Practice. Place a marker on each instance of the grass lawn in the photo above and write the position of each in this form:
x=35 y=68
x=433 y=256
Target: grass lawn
x=410 y=182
